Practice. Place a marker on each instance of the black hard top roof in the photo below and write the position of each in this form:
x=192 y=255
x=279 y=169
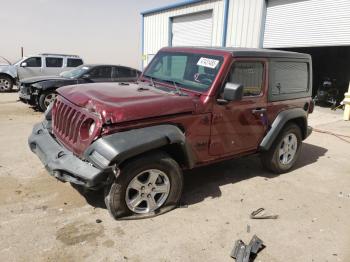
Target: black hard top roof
x=252 y=52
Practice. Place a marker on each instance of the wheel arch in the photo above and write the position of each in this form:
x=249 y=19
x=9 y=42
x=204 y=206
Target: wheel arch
x=116 y=149
x=295 y=115
x=8 y=75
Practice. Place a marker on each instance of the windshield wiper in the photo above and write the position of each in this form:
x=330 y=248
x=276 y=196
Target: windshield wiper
x=175 y=84
x=178 y=89
x=150 y=78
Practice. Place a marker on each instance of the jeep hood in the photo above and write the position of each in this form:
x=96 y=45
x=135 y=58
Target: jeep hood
x=119 y=102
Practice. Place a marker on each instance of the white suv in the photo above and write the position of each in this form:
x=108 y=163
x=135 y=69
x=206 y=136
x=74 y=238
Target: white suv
x=37 y=65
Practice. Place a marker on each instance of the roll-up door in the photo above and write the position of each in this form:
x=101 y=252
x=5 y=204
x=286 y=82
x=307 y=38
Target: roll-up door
x=303 y=23
x=193 y=30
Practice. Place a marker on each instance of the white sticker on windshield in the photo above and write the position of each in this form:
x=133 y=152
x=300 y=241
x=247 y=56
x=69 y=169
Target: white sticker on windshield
x=207 y=62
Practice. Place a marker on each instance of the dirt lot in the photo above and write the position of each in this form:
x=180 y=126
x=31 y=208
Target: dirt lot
x=45 y=220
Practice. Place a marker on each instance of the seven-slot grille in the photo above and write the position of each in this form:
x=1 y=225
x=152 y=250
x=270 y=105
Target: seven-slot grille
x=67 y=121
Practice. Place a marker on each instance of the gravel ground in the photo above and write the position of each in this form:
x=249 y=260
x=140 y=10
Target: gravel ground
x=45 y=220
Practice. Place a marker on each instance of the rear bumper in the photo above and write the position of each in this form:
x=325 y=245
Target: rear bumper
x=62 y=164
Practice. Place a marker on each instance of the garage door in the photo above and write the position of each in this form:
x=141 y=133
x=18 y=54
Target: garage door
x=192 y=30
x=301 y=23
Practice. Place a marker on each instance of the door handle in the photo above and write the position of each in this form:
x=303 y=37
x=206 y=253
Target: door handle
x=259 y=111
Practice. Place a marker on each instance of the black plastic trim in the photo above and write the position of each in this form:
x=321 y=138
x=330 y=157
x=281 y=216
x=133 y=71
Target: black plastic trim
x=116 y=148
x=61 y=163
x=278 y=124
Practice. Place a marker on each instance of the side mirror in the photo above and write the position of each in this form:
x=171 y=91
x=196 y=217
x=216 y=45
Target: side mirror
x=24 y=64
x=232 y=92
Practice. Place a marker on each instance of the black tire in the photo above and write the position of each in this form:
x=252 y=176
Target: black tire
x=115 y=194
x=42 y=104
x=6 y=83
x=271 y=158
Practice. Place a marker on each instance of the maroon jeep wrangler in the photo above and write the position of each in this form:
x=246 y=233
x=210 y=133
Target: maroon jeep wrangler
x=191 y=107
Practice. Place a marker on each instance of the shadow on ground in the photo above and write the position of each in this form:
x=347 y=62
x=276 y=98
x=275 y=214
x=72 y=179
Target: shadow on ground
x=204 y=182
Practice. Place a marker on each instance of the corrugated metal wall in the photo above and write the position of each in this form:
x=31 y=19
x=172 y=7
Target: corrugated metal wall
x=156 y=26
x=300 y=23
x=245 y=26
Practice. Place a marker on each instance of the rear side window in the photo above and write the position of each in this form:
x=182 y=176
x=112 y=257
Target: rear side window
x=126 y=72
x=250 y=75
x=54 y=62
x=101 y=72
x=72 y=62
x=289 y=78
x=33 y=62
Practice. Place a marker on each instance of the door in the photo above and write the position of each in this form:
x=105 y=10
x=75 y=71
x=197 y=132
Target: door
x=240 y=126
x=30 y=67
x=296 y=23
x=100 y=74
x=192 y=30
x=53 y=66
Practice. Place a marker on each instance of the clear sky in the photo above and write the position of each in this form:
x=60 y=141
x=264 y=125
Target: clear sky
x=104 y=31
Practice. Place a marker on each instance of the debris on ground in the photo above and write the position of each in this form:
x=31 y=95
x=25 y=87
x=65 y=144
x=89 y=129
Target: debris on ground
x=247 y=253
x=259 y=214
x=98 y=221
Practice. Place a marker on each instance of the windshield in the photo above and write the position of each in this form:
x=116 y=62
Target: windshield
x=191 y=71
x=75 y=73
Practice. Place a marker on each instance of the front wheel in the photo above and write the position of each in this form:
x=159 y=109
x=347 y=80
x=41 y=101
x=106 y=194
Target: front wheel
x=46 y=99
x=6 y=83
x=147 y=186
x=285 y=150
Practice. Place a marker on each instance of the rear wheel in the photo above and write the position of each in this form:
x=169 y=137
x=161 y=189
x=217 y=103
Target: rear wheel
x=284 y=152
x=147 y=186
x=6 y=83
x=46 y=99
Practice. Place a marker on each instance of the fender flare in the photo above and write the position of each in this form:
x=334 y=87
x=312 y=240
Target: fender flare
x=114 y=149
x=280 y=121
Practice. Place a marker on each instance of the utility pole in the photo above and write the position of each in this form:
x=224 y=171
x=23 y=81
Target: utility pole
x=22 y=54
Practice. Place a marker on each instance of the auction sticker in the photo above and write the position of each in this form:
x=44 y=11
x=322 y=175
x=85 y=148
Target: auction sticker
x=207 y=62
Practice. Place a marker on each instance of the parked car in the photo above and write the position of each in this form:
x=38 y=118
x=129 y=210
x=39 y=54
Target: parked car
x=192 y=107
x=41 y=91
x=37 y=65
x=7 y=75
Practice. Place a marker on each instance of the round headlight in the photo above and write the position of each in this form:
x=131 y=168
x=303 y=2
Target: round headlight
x=92 y=128
x=87 y=129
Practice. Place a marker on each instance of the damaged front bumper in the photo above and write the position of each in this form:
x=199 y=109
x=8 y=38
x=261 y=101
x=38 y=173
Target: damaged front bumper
x=62 y=163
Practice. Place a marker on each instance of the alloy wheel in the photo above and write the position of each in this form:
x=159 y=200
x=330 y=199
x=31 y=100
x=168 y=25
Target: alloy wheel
x=49 y=99
x=5 y=84
x=147 y=191
x=288 y=148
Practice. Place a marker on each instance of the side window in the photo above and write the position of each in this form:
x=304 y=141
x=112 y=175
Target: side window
x=33 y=62
x=54 y=62
x=101 y=72
x=289 y=78
x=250 y=75
x=72 y=62
x=125 y=72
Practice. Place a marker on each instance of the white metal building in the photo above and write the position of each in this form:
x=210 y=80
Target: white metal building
x=318 y=27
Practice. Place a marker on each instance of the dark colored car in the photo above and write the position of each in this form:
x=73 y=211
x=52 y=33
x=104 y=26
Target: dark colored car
x=41 y=91
x=191 y=107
